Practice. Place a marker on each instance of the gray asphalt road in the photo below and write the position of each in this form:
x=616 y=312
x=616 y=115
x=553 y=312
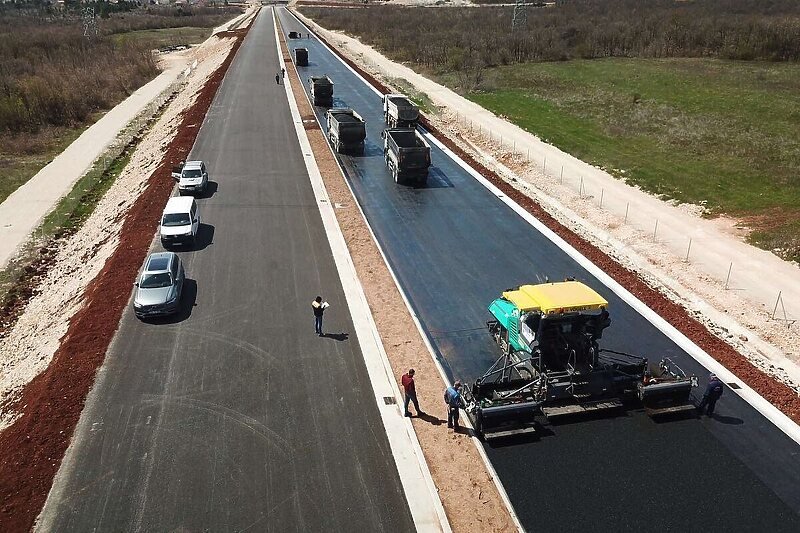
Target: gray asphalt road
x=235 y=416
x=454 y=247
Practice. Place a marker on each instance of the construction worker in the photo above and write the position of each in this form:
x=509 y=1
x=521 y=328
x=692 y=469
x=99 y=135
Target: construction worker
x=278 y=78
x=318 y=306
x=713 y=392
x=410 y=390
x=454 y=401
x=283 y=72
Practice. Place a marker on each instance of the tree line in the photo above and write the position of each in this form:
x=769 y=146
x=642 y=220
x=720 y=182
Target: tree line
x=458 y=38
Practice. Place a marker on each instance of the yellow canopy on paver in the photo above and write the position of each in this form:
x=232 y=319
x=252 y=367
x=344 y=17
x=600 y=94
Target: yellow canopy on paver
x=558 y=298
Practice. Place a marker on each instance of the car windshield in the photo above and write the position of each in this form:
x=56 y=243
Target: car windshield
x=155 y=281
x=192 y=173
x=175 y=219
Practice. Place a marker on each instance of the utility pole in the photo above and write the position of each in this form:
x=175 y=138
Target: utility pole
x=89 y=23
x=520 y=15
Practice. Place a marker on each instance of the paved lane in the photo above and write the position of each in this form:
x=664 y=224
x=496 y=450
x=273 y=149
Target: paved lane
x=238 y=417
x=454 y=247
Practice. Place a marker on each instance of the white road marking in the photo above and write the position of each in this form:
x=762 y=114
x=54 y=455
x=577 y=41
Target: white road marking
x=420 y=491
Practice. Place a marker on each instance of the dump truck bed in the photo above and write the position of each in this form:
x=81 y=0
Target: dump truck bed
x=399 y=111
x=346 y=129
x=321 y=89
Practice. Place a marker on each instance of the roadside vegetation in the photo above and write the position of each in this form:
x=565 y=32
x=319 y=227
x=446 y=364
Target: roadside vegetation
x=694 y=101
x=54 y=81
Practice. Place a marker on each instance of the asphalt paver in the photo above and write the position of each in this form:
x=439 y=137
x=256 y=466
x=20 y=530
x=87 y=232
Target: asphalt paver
x=454 y=247
x=234 y=415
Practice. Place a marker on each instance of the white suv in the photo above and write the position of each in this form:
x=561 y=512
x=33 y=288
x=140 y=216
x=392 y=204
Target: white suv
x=193 y=178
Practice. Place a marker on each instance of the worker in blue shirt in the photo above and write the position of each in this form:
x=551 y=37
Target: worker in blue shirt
x=454 y=401
x=712 y=394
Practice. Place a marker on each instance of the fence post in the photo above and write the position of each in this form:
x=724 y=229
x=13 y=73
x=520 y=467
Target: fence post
x=775 y=310
x=627 y=206
x=728 y=278
x=602 y=193
x=688 y=248
x=561 y=179
x=544 y=165
x=655 y=230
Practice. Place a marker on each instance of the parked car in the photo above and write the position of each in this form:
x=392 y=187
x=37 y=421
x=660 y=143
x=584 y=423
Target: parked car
x=193 y=178
x=180 y=222
x=160 y=286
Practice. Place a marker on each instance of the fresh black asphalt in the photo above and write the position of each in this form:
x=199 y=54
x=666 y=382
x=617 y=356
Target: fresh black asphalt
x=234 y=416
x=454 y=247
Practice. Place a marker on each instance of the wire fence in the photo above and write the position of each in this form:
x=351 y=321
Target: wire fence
x=631 y=214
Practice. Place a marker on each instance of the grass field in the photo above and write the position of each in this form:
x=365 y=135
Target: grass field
x=20 y=159
x=165 y=37
x=719 y=133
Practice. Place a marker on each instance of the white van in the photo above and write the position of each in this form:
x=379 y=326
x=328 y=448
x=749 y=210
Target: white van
x=180 y=222
x=193 y=178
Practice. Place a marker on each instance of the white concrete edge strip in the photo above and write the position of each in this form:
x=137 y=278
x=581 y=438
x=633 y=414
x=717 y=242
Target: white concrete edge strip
x=478 y=444
x=420 y=491
x=769 y=411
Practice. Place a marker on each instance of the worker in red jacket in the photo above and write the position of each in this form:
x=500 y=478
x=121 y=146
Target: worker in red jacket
x=410 y=392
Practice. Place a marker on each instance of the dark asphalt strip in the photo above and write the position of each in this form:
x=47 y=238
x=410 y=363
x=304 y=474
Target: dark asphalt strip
x=454 y=247
x=234 y=416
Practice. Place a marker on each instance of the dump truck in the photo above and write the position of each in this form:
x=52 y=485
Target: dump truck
x=346 y=130
x=301 y=57
x=321 y=90
x=552 y=365
x=399 y=111
x=407 y=155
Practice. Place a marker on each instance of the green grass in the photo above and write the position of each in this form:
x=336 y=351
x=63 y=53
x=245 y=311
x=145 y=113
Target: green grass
x=73 y=210
x=165 y=37
x=719 y=133
x=18 y=164
x=67 y=217
x=422 y=100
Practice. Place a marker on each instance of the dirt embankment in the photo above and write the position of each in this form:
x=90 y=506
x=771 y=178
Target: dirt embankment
x=777 y=393
x=467 y=491
x=50 y=404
